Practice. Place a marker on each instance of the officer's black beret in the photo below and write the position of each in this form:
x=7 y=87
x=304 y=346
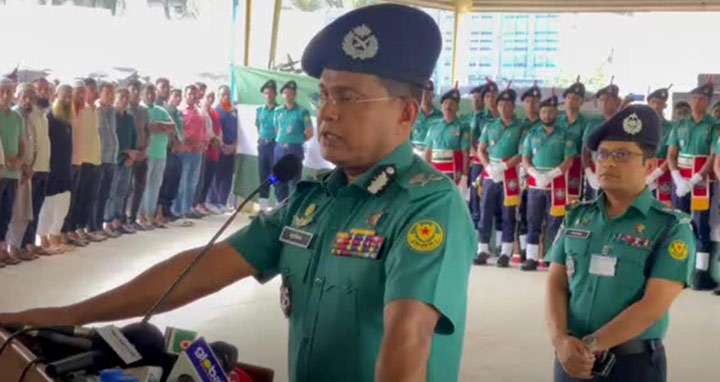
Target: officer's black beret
x=551 y=101
x=386 y=40
x=661 y=94
x=490 y=86
x=611 y=89
x=478 y=90
x=453 y=94
x=534 y=91
x=706 y=90
x=635 y=123
x=507 y=95
x=269 y=84
x=289 y=85
x=577 y=88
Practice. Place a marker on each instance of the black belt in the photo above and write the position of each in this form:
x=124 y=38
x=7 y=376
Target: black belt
x=637 y=347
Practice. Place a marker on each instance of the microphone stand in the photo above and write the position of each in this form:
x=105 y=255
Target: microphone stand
x=271 y=180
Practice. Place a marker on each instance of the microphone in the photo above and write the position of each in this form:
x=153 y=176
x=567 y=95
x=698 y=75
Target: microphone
x=199 y=363
x=75 y=331
x=145 y=346
x=287 y=168
x=226 y=354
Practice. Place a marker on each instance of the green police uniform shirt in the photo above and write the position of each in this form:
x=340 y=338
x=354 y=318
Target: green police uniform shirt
x=291 y=124
x=481 y=120
x=593 y=123
x=694 y=138
x=649 y=241
x=265 y=122
x=575 y=130
x=527 y=124
x=338 y=290
x=12 y=126
x=503 y=142
x=158 y=141
x=665 y=130
x=448 y=136
x=422 y=125
x=548 y=151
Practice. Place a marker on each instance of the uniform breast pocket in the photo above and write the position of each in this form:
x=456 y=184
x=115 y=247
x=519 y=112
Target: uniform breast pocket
x=577 y=260
x=630 y=270
x=294 y=262
x=357 y=274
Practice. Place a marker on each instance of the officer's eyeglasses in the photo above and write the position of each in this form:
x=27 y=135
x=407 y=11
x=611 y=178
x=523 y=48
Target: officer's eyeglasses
x=347 y=100
x=619 y=156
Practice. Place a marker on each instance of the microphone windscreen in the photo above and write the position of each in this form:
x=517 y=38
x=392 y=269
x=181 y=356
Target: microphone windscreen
x=148 y=340
x=226 y=354
x=287 y=168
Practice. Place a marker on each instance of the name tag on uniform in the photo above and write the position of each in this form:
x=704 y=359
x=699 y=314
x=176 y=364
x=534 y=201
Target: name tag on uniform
x=601 y=265
x=296 y=237
x=577 y=233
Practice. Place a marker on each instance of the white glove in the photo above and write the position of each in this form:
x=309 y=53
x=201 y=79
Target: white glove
x=503 y=165
x=655 y=175
x=533 y=172
x=497 y=173
x=592 y=178
x=696 y=179
x=463 y=187
x=682 y=186
x=522 y=171
x=542 y=180
x=554 y=173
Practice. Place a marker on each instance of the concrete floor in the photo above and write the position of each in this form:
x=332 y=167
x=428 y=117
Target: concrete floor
x=505 y=341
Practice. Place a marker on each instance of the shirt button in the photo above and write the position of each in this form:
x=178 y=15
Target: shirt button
x=318 y=280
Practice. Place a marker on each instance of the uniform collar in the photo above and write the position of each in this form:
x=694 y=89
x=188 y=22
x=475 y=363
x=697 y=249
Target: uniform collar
x=400 y=160
x=642 y=203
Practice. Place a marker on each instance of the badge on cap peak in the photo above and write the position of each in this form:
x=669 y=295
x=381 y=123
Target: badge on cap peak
x=360 y=43
x=632 y=124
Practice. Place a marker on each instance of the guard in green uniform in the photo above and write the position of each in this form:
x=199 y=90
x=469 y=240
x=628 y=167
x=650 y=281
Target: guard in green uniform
x=609 y=98
x=476 y=169
x=660 y=180
x=547 y=155
x=294 y=127
x=265 y=124
x=499 y=152
x=574 y=123
x=374 y=257
x=618 y=263
x=428 y=116
x=531 y=102
x=690 y=158
x=447 y=143
x=490 y=94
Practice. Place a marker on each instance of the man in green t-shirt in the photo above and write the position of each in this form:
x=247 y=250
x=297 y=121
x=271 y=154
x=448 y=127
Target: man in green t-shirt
x=574 y=124
x=11 y=132
x=160 y=126
x=267 y=133
x=375 y=256
x=531 y=103
x=427 y=117
x=609 y=98
x=476 y=169
x=618 y=263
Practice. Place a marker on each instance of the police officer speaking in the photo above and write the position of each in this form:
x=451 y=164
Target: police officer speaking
x=618 y=263
x=375 y=257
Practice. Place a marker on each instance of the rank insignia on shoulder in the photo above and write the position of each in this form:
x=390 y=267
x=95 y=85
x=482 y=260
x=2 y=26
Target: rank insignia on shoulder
x=423 y=179
x=358 y=243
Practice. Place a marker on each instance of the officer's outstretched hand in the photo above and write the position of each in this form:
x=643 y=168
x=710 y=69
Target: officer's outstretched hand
x=576 y=359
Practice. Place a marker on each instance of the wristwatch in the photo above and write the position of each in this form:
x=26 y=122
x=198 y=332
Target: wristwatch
x=591 y=342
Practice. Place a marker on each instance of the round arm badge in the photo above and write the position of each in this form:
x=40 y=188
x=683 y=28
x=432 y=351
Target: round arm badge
x=425 y=236
x=678 y=250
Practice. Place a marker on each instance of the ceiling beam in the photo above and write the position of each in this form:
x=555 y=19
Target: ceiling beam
x=559 y=6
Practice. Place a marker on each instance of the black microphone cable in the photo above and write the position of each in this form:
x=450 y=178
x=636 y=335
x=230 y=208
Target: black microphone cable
x=20 y=332
x=29 y=367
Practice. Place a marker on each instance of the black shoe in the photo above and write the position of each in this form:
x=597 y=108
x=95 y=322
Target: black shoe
x=194 y=215
x=124 y=231
x=481 y=258
x=701 y=280
x=139 y=227
x=716 y=292
x=77 y=242
x=171 y=217
x=529 y=265
x=503 y=261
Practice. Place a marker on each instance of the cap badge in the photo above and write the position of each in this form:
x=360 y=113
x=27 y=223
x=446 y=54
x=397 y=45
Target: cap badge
x=632 y=124
x=361 y=43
